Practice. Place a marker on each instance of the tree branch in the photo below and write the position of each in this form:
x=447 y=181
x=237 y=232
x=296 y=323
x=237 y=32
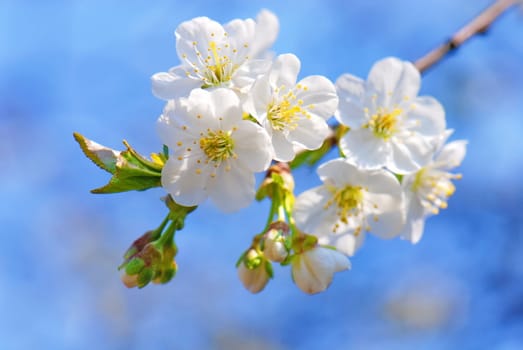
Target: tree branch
x=478 y=25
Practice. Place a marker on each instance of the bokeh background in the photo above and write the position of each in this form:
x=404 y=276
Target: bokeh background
x=84 y=66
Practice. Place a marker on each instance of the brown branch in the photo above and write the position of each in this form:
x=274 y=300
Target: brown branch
x=478 y=25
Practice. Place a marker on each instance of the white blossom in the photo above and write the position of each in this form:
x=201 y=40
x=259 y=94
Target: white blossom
x=213 y=55
x=349 y=203
x=313 y=269
x=389 y=124
x=428 y=190
x=214 y=152
x=294 y=114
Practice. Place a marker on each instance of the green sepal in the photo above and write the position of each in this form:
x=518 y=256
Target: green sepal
x=167 y=275
x=134 y=266
x=102 y=156
x=287 y=260
x=145 y=277
x=268 y=188
x=269 y=269
x=133 y=173
x=399 y=177
x=240 y=259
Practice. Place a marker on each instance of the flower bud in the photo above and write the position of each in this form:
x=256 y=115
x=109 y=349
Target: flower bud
x=254 y=271
x=313 y=269
x=274 y=247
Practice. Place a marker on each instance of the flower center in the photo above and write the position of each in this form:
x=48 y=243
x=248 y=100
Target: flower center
x=219 y=67
x=217 y=146
x=384 y=124
x=285 y=114
x=434 y=188
x=348 y=201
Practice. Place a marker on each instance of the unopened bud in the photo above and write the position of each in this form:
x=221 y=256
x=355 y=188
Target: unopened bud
x=274 y=247
x=254 y=271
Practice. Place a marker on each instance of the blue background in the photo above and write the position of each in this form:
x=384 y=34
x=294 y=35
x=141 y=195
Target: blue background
x=85 y=66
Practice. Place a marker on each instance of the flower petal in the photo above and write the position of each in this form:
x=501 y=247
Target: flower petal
x=363 y=149
x=451 y=155
x=232 y=188
x=314 y=269
x=173 y=84
x=318 y=95
x=410 y=154
x=386 y=214
x=310 y=132
x=180 y=179
x=194 y=36
x=283 y=149
x=310 y=212
x=393 y=80
x=339 y=172
x=429 y=116
x=252 y=146
x=267 y=28
x=351 y=92
x=346 y=243
x=284 y=71
x=415 y=221
x=226 y=106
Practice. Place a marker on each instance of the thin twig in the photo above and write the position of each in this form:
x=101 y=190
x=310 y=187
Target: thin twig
x=478 y=25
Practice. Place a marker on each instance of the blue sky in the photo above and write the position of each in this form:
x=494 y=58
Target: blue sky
x=82 y=66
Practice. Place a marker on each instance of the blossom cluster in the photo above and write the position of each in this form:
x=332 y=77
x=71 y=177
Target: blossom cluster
x=233 y=109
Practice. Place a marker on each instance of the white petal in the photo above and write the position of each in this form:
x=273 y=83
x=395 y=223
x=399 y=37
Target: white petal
x=309 y=211
x=252 y=146
x=380 y=181
x=231 y=189
x=241 y=34
x=310 y=132
x=410 y=154
x=393 y=80
x=340 y=173
x=428 y=114
x=198 y=112
x=415 y=221
x=267 y=28
x=226 y=105
x=245 y=76
x=390 y=214
x=194 y=36
x=362 y=148
x=283 y=149
x=259 y=99
x=452 y=154
x=318 y=95
x=180 y=179
x=313 y=270
x=351 y=92
x=173 y=84
x=171 y=132
x=284 y=71
x=346 y=243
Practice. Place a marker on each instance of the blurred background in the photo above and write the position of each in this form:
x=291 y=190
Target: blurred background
x=84 y=66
